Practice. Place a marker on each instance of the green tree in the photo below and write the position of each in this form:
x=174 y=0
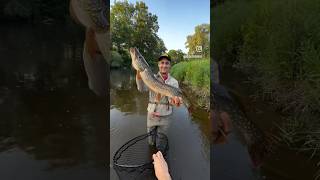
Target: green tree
x=133 y=26
x=176 y=55
x=122 y=29
x=201 y=37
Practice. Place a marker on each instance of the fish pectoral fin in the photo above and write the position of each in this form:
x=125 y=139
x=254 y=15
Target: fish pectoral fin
x=158 y=97
x=91 y=43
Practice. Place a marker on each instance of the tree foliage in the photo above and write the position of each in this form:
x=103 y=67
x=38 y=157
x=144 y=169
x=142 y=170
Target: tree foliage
x=176 y=55
x=201 y=37
x=132 y=25
x=276 y=44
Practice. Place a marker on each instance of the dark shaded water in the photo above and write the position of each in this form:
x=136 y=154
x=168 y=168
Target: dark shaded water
x=51 y=125
x=232 y=161
x=188 y=136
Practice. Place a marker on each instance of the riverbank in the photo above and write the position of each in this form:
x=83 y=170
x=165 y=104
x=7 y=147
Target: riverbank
x=276 y=45
x=195 y=77
x=266 y=116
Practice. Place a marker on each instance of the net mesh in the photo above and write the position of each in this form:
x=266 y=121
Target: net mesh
x=133 y=160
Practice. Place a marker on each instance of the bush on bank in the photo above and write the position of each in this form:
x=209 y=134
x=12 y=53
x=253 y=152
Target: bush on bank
x=196 y=75
x=277 y=44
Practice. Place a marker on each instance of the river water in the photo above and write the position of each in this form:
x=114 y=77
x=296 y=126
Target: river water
x=189 y=146
x=51 y=125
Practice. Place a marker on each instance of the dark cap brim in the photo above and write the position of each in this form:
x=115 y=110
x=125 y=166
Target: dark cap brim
x=164 y=57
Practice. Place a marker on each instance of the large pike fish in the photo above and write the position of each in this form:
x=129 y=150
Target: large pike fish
x=93 y=15
x=141 y=65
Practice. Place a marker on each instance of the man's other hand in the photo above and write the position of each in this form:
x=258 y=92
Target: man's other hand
x=177 y=101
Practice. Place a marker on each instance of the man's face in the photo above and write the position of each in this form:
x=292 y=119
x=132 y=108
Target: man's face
x=164 y=65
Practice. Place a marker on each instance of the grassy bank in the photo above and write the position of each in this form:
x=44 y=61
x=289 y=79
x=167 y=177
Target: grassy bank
x=277 y=45
x=196 y=75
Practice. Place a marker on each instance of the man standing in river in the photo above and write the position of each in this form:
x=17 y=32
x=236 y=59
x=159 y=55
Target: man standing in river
x=160 y=108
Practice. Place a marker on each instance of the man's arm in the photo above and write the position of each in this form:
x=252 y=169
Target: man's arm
x=140 y=84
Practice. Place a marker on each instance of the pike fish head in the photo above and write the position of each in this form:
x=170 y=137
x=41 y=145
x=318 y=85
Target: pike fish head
x=134 y=58
x=133 y=52
x=138 y=61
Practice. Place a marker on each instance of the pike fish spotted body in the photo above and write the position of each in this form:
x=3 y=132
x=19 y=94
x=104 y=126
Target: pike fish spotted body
x=90 y=13
x=155 y=85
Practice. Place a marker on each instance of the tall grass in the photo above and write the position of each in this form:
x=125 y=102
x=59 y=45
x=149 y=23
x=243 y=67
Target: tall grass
x=194 y=73
x=277 y=44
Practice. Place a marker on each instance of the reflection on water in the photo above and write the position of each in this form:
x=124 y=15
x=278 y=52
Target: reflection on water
x=237 y=156
x=188 y=136
x=52 y=126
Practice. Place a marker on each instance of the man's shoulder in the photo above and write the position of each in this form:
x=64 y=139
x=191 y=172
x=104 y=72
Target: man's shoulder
x=173 y=80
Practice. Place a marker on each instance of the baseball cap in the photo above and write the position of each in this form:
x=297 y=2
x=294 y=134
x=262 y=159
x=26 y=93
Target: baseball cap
x=164 y=56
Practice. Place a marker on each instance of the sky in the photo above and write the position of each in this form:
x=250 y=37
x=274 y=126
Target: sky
x=177 y=19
